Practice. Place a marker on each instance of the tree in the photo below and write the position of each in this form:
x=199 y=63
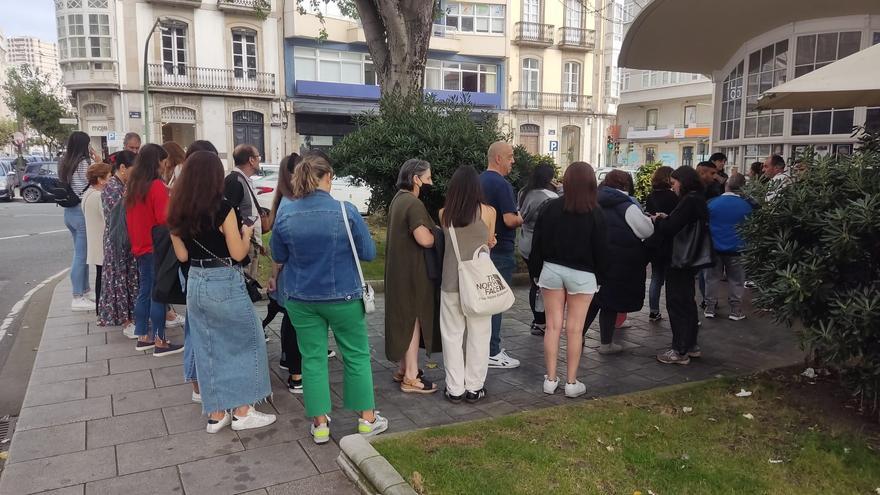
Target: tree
x=7 y=129
x=397 y=34
x=32 y=96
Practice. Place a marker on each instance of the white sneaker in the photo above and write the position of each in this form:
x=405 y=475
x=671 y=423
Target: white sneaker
x=502 y=360
x=197 y=397
x=320 y=433
x=128 y=331
x=550 y=385
x=219 y=425
x=253 y=419
x=176 y=322
x=81 y=304
x=368 y=429
x=575 y=389
x=90 y=296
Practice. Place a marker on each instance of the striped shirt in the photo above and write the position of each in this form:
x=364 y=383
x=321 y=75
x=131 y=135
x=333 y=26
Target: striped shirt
x=78 y=181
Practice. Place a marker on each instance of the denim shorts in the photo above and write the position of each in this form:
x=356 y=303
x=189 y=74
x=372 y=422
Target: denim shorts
x=556 y=277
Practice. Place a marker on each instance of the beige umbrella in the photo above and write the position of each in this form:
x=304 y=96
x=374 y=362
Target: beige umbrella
x=853 y=81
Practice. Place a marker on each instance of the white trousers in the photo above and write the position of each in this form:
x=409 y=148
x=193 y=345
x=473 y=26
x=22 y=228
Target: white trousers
x=465 y=346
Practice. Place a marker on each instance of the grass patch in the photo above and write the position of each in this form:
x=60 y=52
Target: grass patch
x=632 y=444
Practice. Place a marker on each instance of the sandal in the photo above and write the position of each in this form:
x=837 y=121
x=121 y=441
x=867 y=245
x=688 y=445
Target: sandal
x=417 y=386
x=397 y=376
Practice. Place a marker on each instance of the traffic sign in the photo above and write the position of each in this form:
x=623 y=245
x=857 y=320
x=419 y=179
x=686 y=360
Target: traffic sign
x=67 y=121
x=554 y=145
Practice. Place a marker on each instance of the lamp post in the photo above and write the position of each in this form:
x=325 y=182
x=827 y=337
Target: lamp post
x=147 y=81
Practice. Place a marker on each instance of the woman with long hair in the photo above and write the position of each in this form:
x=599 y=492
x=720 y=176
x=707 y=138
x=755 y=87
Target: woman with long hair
x=224 y=328
x=660 y=200
x=72 y=173
x=568 y=252
x=176 y=156
x=322 y=289
x=538 y=191
x=119 y=273
x=465 y=338
x=146 y=205
x=98 y=174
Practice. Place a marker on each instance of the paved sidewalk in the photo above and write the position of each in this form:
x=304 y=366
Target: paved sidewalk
x=100 y=417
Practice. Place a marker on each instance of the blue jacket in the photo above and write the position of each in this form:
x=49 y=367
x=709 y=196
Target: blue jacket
x=726 y=213
x=309 y=238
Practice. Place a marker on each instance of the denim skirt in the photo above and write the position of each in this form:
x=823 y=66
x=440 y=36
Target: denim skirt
x=228 y=340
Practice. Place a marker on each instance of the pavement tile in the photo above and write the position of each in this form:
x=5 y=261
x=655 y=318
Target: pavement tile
x=287 y=428
x=70 y=318
x=68 y=490
x=68 y=372
x=53 y=393
x=95 y=328
x=72 y=342
x=47 y=442
x=48 y=359
x=175 y=449
x=109 y=351
x=144 y=362
x=157 y=481
x=171 y=375
x=334 y=483
x=247 y=470
x=186 y=417
x=145 y=400
x=59 y=471
x=125 y=428
x=69 y=412
x=323 y=456
x=115 y=384
x=53 y=332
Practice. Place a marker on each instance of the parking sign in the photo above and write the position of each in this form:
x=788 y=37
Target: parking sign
x=554 y=145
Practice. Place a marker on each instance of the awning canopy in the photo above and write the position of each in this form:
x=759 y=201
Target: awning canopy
x=702 y=35
x=853 y=81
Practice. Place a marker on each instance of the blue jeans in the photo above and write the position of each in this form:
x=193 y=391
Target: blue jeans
x=75 y=222
x=658 y=278
x=189 y=353
x=505 y=262
x=147 y=312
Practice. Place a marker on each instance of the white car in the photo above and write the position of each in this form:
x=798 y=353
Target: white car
x=342 y=189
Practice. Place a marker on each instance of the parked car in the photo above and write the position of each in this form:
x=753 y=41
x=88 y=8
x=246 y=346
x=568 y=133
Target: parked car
x=343 y=189
x=38 y=181
x=8 y=179
x=602 y=172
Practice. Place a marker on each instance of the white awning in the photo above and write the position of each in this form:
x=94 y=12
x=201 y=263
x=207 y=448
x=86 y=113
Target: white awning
x=853 y=81
x=702 y=35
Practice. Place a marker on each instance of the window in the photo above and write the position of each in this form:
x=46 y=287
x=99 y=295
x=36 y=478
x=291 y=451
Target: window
x=455 y=76
x=99 y=35
x=76 y=39
x=244 y=53
x=247 y=128
x=97 y=4
x=174 y=48
x=475 y=17
x=333 y=66
x=876 y=39
x=651 y=119
x=872 y=119
x=690 y=116
x=574 y=14
x=687 y=156
x=731 y=103
x=326 y=8
x=625 y=81
x=767 y=68
x=813 y=52
x=531 y=11
x=571 y=78
x=650 y=154
x=818 y=122
x=531 y=75
x=646 y=79
x=760 y=152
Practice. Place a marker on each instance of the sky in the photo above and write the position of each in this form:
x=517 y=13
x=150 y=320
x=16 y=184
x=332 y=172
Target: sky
x=36 y=19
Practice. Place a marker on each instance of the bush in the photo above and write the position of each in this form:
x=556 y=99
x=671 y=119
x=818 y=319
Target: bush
x=643 y=180
x=445 y=133
x=814 y=252
x=523 y=164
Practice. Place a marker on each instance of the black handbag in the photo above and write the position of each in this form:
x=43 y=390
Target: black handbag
x=167 y=288
x=692 y=247
x=253 y=288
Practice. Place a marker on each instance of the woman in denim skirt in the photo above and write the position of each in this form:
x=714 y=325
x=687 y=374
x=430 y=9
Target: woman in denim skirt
x=224 y=327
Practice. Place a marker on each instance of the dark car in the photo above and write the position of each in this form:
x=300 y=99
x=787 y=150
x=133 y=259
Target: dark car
x=38 y=182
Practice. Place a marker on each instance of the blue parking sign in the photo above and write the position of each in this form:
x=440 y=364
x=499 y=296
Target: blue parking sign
x=554 y=145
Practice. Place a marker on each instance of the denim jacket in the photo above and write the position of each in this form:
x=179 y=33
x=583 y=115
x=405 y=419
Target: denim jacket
x=309 y=238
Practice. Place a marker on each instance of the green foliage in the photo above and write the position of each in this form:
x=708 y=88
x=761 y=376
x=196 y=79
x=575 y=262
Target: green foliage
x=814 y=252
x=523 y=164
x=643 y=180
x=32 y=96
x=445 y=133
x=7 y=129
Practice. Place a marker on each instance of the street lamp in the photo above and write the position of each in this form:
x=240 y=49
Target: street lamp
x=147 y=81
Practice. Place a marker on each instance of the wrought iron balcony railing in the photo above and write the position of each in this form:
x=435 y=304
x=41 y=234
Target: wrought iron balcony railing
x=577 y=38
x=554 y=102
x=207 y=80
x=533 y=33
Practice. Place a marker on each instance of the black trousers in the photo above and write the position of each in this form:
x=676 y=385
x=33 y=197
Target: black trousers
x=607 y=321
x=97 y=286
x=290 y=355
x=682 y=308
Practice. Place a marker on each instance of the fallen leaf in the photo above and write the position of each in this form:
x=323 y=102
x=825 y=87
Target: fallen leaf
x=743 y=393
x=637 y=492
x=687 y=409
x=685 y=457
x=775 y=461
x=712 y=420
x=652 y=493
x=610 y=448
x=4 y=456
x=418 y=483
x=618 y=439
x=431 y=366
x=809 y=373
x=748 y=416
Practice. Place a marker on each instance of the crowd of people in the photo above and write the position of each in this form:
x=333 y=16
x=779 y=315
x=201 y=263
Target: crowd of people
x=587 y=246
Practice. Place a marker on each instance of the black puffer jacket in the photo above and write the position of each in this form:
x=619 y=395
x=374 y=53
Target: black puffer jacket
x=623 y=288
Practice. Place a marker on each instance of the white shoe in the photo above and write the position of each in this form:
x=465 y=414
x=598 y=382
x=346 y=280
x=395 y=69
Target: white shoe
x=320 y=433
x=216 y=427
x=550 y=385
x=253 y=419
x=575 y=389
x=81 y=304
x=197 y=397
x=90 y=296
x=368 y=429
x=128 y=331
x=502 y=360
x=176 y=322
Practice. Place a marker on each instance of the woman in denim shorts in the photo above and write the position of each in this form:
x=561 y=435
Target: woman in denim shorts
x=568 y=248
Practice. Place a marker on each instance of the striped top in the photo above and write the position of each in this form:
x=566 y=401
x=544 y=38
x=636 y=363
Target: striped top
x=78 y=181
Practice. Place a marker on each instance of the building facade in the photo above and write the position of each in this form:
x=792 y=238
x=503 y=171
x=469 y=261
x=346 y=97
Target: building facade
x=28 y=50
x=212 y=67
x=5 y=113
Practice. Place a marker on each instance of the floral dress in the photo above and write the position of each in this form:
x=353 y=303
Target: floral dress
x=119 y=276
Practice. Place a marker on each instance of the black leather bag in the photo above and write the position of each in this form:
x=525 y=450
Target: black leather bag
x=692 y=247
x=253 y=288
x=167 y=286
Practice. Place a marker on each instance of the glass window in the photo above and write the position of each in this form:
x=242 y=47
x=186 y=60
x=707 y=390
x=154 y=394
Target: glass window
x=531 y=75
x=731 y=103
x=876 y=40
x=650 y=154
x=244 y=54
x=815 y=51
x=690 y=115
x=451 y=77
x=651 y=119
x=872 y=117
x=174 y=48
x=370 y=72
x=475 y=17
x=330 y=71
x=304 y=69
x=571 y=78
x=767 y=68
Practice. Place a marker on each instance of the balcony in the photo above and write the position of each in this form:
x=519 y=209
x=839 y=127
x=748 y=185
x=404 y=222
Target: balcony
x=207 y=80
x=551 y=102
x=179 y=3
x=532 y=33
x=577 y=39
x=89 y=75
x=259 y=8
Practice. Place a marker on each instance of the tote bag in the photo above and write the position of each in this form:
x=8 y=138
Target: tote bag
x=692 y=247
x=482 y=290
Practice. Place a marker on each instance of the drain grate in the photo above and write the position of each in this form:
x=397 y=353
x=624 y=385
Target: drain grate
x=7 y=426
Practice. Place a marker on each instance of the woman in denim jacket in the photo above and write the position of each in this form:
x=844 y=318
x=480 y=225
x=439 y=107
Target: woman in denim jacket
x=322 y=289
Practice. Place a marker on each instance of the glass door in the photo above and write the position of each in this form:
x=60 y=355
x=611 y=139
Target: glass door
x=174 y=50
x=571 y=83
x=531 y=81
x=531 y=16
x=574 y=20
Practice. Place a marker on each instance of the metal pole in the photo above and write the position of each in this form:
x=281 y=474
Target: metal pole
x=147 y=83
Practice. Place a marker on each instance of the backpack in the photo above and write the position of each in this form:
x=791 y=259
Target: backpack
x=117 y=228
x=65 y=196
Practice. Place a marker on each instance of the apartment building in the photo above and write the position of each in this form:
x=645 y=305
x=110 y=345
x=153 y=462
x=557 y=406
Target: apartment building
x=213 y=70
x=5 y=113
x=29 y=50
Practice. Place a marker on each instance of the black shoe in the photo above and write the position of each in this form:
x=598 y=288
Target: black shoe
x=474 y=397
x=537 y=330
x=168 y=350
x=294 y=386
x=455 y=399
x=655 y=316
x=703 y=305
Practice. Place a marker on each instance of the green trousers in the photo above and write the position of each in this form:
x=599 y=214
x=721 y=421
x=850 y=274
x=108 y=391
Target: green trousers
x=311 y=321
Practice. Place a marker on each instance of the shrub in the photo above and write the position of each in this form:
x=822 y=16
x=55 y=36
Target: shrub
x=643 y=180
x=523 y=164
x=814 y=252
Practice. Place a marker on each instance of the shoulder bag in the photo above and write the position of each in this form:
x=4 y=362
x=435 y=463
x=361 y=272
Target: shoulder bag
x=482 y=290
x=265 y=217
x=168 y=288
x=369 y=295
x=692 y=247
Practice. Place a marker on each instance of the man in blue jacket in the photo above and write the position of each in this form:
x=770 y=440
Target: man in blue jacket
x=726 y=213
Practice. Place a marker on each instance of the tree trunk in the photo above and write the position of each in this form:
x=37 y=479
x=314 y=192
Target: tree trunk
x=397 y=34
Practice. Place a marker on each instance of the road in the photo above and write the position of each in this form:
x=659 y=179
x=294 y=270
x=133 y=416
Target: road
x=34 y=245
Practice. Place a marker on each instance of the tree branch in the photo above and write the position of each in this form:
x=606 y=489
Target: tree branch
x=374 y=32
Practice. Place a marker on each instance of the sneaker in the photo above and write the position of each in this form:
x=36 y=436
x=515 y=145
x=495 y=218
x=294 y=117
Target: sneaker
x=502 y=360
x=253 y=419
x=128 y=331
x=736 y=316
x=81 y=304
x=177 y=321
x=611 y=348
x=294 y=386
x=90 y=296
x=283 y=365
x=368 y=429
x=750 y=285
x=538 y=330
x=652 y=316
x=455 y=399
x=168 y=350
x=575 y=389
x=474 y=397
x=550 y=385
x=709 y=313
x=331 y=354
x=695 y=352
x=321 y=433
x=215 y=426
x=266 y=335
x=197 y=397
x=144 y=345
x=673 y=357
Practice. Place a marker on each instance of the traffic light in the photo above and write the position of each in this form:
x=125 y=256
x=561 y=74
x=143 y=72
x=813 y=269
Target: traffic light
x=609 y=142
x=616 y=146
